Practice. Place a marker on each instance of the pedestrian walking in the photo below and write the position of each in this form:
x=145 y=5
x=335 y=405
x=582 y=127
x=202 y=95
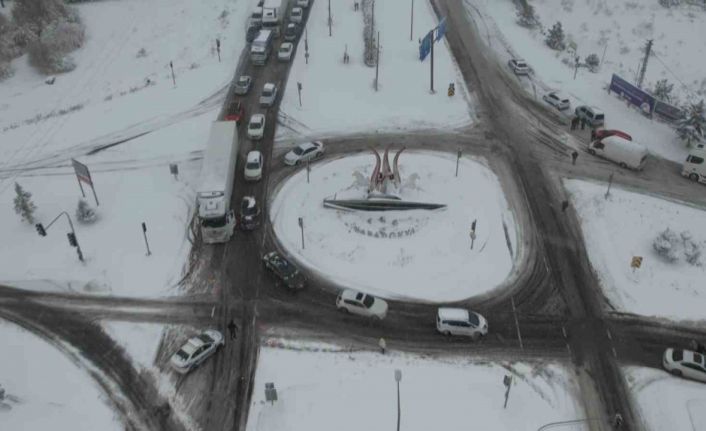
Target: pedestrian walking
x=618 y=421
x=583 y=123
x=233 y=329
x=564 y=206
x=574 y=122
x=355 y=6
x=594 y=134
x=383 y=345
x=574 y=156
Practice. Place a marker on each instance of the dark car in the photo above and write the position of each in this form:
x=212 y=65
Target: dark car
x=284 y=270
x=252 y=31
x=291 y=32
x=236 y=112
x=249 y=213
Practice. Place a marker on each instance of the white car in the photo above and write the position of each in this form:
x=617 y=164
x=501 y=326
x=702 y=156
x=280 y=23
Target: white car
x=557 y=100
x=285 y=51
x=253 y=166
x=304 y=152
x=268 y=95
x=362 y=304
x=459 y=321
x=297 y=15
x=303 y=3
x=256 y=126
x=519 y=66
x=242 y=85
x=685 y=363
x=196 y=350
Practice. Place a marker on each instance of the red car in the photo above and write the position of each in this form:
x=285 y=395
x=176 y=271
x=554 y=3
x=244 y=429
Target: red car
x=603 y=133
x=236 y=112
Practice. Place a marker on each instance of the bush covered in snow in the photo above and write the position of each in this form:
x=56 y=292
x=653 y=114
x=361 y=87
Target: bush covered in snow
x=592 y=62
x=526 y=16
x=671 y=247
x=84 y=213
x=692 y=127
x=50 y=52
x=556 y=38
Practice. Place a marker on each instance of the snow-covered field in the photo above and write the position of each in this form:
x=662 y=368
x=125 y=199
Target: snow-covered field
x=621 y=28
x=419 y=254
x=140 y=340
x=132 y=180
x=354 y=391
x=626 y=225
x=666 y=402
x=340 y=98
x=45 y=390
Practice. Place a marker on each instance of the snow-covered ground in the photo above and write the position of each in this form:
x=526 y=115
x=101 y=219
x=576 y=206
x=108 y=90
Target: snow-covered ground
x=45 y=390
x=621 y=28
x=666 y=402
x=353 y=391
x=419 y=254
x=132 y=180
x=626 y=225
x=340 y=98
x=140 y=340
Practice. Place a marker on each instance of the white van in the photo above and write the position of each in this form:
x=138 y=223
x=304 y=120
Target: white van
x=628 y=154
x=261 y=48
x=694 y=167
x=459 y=321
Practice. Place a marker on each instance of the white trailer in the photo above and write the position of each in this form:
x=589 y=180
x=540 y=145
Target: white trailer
x=695 y=165
x=628 y=154
x=261 y=47
x=216 y=219
x=272 y=15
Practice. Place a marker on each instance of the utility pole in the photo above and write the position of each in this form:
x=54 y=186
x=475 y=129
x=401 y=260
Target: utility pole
x=458 y=158
x=411 y=22
x=605 y=48
x=218 y=49
x=576 y=66
x=171 y=66
x=144 y=233
x=643 y=69
x=431 y=63
x=299 y=89
x=372 y=26
x=517 y=326
x=301 y=226
x=398 y=377
x=329 y=18
x=377 y=63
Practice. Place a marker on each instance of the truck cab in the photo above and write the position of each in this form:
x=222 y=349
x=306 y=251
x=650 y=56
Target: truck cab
x=695 y=166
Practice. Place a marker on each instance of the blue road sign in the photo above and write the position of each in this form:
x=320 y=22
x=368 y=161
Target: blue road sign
x=441 y=29
x=425 y=46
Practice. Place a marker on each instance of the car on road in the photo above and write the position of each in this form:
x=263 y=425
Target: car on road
x=249 y=217
x=459 y=321
x=285 y=51
x=268 y=95
x=252 y=31
x=284 y=270
x=291 y=32
x=303 y=3
x=557 y=100
x=302 y=153
x=297 y=15
x=236 y=112
x=362 y=304
x=685 y=363
x=242 y=85
x=196 y=350
x=593 y=116
x=519 y=66
x=256 y=127
x=253 y=166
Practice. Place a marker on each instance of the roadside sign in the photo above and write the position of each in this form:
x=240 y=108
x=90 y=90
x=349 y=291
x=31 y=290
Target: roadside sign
x=83 y=174
x=441 y=29
x=425 y=46
x=270 y=392
x=636 y=262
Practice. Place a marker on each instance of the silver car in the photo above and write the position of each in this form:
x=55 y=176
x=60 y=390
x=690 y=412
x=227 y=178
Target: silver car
x=685 y=363
x=196 y=350
x=362 y=304
x=269 y=94
x=302 y=153
x=242 y=85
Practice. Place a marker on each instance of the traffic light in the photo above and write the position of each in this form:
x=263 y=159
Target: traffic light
x=72 y=239
x=40 y=229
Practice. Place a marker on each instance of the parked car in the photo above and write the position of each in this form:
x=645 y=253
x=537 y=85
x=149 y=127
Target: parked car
x=296 y=15
x=694 y=167
x=242 y=85
x=196 y=350
x=362 y=304
x=291 y=32
x=284 y=270
x=593 y=116
x=557 y=100
x=685 y=363
x=256 y=127
x=519 y=66
x=459 y=321
x=253 y=166
x=285 y=51
x=268 y=95
x=236 y=112
x=627 y=154
x=256 y=15
x=249 y=217
x=304 y=152
x=303 y=3
x=604 y=133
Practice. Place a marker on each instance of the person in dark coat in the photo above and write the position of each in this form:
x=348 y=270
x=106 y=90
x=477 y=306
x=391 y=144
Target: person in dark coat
x=233 y=329
x=574 y=122
x=583 y=123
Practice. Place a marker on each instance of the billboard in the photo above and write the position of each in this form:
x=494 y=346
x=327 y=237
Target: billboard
x=632 y=94
x=667 y=111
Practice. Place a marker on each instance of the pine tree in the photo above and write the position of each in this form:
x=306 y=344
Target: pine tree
x=592 y=62
x=555 y=38
x=23 y=204
x=692 y=127
x=663 y=90
x=526 y=17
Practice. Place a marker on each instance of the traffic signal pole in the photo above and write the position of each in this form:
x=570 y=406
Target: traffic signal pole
x=73 y=239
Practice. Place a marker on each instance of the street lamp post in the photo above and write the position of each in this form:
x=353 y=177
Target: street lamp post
x=398 y=377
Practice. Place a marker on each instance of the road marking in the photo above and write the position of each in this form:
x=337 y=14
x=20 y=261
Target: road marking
x=563 y=331
x=610 y=337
